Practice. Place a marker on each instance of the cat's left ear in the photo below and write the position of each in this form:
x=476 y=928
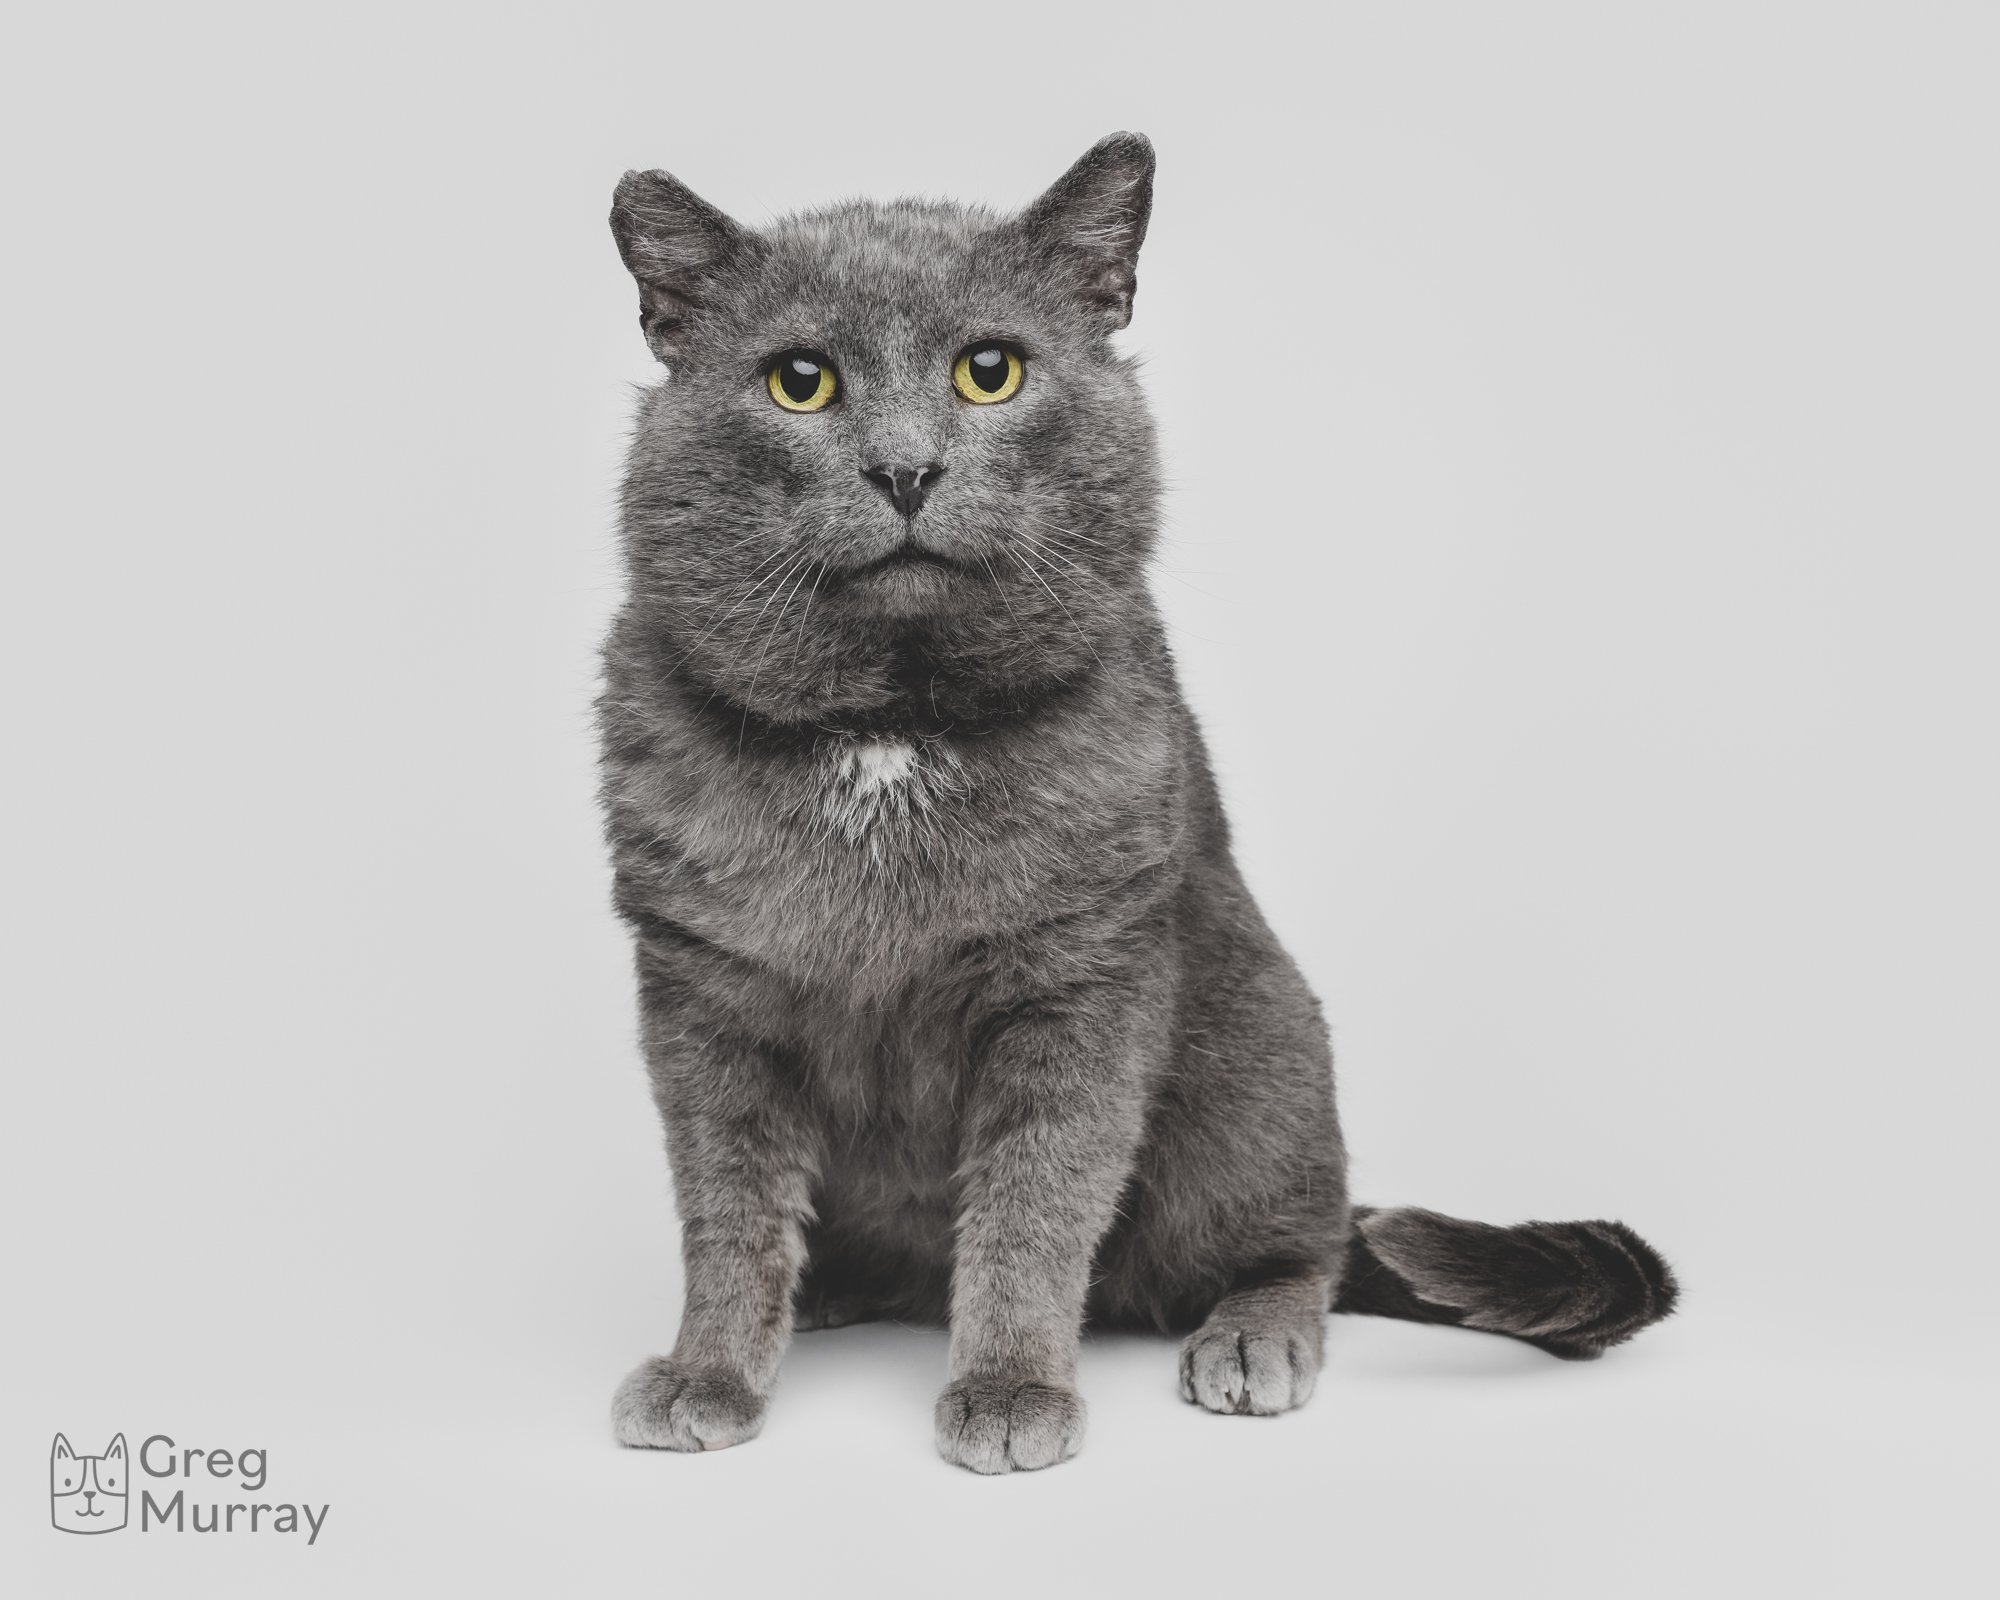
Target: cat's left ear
x=1093 y=220
x=675 y=244
x=115 y=1451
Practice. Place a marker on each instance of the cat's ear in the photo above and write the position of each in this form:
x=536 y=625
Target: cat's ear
x=1092 y=221
x=674 y=243
x=115 y=1450
x=61 y=1450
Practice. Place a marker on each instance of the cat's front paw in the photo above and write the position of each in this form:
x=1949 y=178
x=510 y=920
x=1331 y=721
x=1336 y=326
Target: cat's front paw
x=1004 y=1425
x=666 y=1406
x=1256 y=1370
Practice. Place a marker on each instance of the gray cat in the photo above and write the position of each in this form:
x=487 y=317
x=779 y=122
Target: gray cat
x=955 y=1005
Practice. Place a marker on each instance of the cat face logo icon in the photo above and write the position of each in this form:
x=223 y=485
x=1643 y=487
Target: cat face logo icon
x=87 y=1493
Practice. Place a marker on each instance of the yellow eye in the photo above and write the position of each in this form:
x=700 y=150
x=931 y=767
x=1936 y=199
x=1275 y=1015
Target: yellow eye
x=988 y=373
x=803 y=380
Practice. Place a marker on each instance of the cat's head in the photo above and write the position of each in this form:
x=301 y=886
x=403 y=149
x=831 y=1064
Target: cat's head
x=896 y=446
x=87 y=1494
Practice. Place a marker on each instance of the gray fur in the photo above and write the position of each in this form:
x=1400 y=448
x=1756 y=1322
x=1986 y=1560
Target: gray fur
x=954 y=1004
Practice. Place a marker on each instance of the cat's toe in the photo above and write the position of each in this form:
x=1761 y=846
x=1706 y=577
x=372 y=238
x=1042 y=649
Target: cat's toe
x=1248 y=1371
x=663 y=1405
x=1000 y=1425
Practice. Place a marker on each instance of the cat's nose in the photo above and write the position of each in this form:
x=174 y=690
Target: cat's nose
x=905 y=485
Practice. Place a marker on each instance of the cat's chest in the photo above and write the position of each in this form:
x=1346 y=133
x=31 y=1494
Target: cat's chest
x=868 y=791
x=857 y=862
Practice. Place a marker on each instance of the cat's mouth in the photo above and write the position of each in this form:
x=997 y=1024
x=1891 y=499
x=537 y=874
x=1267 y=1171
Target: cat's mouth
x=905 y=557
x=909 y=581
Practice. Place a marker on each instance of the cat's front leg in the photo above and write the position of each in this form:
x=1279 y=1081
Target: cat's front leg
x=744 y=1161
x=1048 y=1141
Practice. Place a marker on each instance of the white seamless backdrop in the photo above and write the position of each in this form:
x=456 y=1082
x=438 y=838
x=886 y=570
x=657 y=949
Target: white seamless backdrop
x=1580 y=423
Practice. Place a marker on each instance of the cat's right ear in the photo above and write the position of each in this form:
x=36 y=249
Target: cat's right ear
x=674 y=243
x=61 y=1450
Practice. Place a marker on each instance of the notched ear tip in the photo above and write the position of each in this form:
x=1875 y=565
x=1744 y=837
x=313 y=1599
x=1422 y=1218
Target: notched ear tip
x=645 y=201
x=1109 y=187
x=1094 y=218
x=672 y=242
x=657 y=213
x=640 y=187
x=1126 y=147
x=1122 y=159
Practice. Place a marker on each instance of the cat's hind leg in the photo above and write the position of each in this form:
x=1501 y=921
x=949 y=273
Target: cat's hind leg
x=839 y=1311
x=1258 y=1353
x=847 y=1281
x=828 y=1295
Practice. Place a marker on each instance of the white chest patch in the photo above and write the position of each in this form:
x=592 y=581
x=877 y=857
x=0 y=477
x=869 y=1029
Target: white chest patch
x=872 y=766
x=870 y=782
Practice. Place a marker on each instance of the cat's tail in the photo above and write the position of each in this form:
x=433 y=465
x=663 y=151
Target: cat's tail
x=1573 y=1289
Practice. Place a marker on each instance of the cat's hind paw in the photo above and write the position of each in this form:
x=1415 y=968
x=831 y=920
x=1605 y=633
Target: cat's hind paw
x=999 y=1425
x=1259 y=1351
x=840 y=1311
x=663 y=1405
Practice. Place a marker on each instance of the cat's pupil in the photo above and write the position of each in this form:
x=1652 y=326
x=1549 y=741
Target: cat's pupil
x=989 y=368
x=799 y=377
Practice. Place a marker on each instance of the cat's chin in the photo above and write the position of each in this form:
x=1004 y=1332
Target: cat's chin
x=905 y=585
